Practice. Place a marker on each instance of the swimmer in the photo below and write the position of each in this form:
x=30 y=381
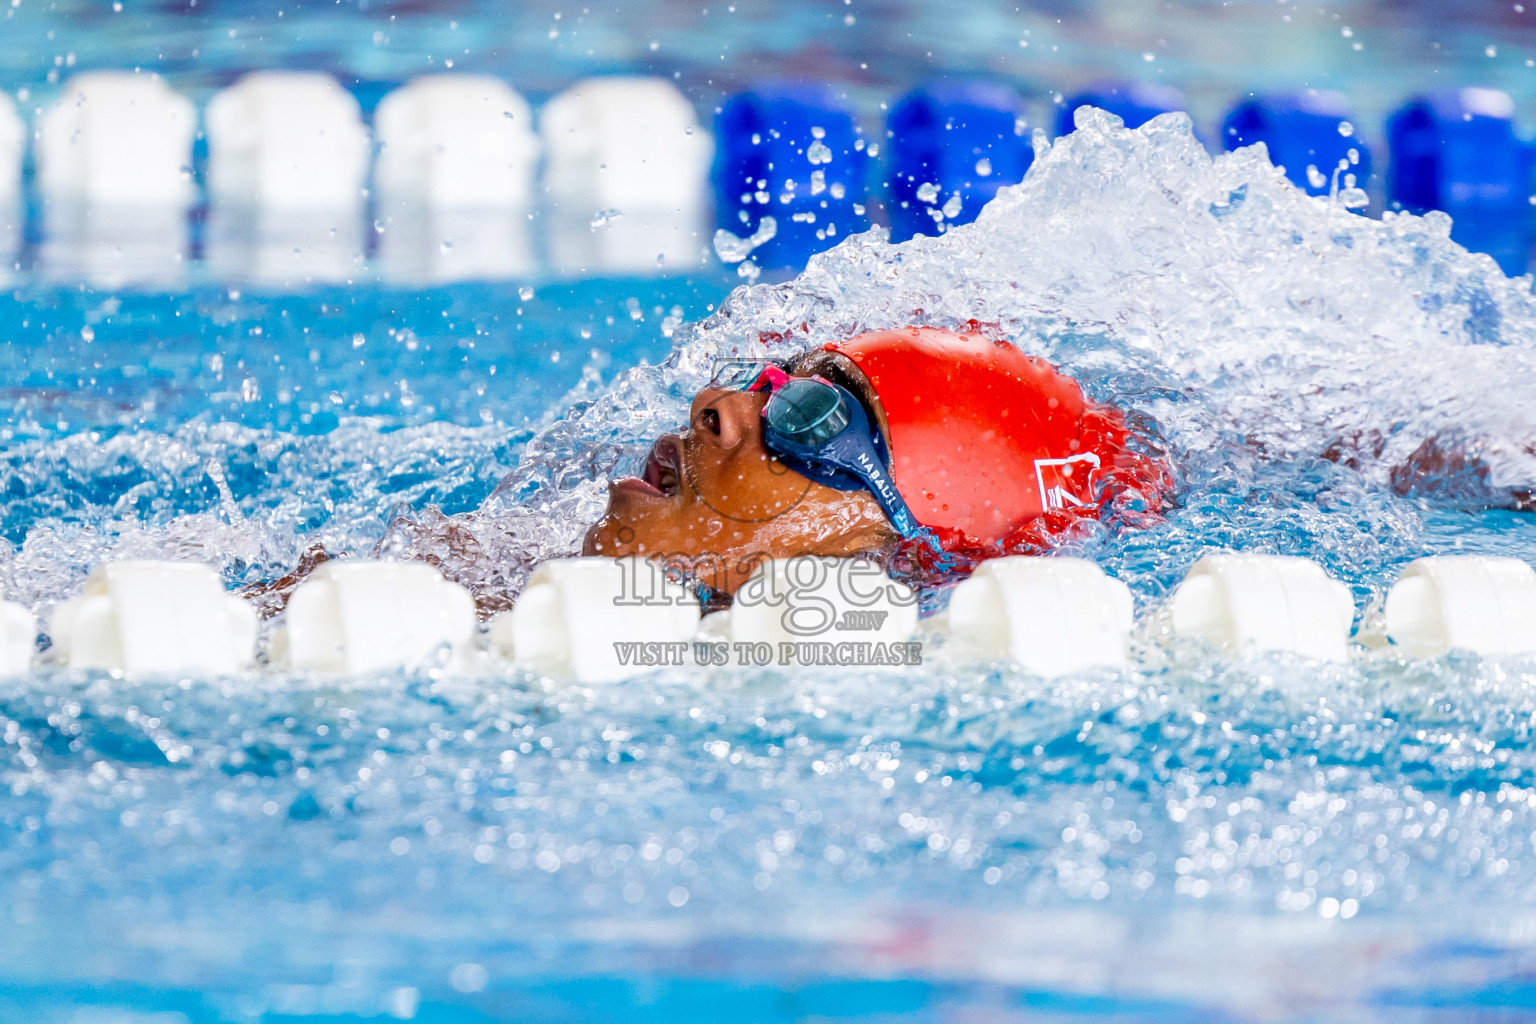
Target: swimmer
x=924 y=448
x=920 y=443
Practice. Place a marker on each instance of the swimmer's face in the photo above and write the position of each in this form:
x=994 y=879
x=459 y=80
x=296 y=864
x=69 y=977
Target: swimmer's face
x=714 y=497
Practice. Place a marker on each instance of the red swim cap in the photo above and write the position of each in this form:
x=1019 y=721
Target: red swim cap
x=985 y=440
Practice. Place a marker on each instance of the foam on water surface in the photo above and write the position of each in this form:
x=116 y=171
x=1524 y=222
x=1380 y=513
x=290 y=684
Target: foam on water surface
x=301 y=846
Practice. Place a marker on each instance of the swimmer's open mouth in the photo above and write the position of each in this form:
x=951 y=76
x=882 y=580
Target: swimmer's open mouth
x=662 y=475
x=663 y=467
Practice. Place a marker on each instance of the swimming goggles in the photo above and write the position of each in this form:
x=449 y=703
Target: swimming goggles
x=821 y=431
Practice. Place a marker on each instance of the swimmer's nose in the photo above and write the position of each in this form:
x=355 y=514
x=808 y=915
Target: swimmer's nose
x=727 y=418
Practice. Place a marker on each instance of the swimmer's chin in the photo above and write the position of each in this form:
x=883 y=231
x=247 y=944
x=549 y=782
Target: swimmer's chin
x=599 y=540
x=612 y=535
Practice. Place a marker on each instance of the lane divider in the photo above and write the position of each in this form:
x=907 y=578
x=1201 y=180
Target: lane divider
x=150 y=617
x=599 y=620
x=288 y=159
x=1243 y=603
x=13 y=145
x=812 y=599
x=454 y=181
x=114 y=172
x=795 y=154
x=627 y=178
x=1456 y=151
x=626 y=172
x=1050 y=615
x=1308 y=133
x=357 y=617
x=953 y=145
x=576 y=616
x=1484 y=605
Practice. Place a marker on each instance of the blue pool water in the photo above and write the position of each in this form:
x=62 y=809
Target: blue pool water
x=1199 y=838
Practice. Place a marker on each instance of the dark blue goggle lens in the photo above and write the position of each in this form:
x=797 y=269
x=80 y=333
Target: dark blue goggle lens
x=807 y=411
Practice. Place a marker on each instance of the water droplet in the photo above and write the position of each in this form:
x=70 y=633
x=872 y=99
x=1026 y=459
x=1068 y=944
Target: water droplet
x=470 y=977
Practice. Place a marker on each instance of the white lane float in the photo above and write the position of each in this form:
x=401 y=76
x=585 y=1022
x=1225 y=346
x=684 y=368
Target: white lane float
x=1447 y=602
x=627 y=174
x=117 y=138
x=13 y=141
x=286 y=139
x=18 y=638
x=1243 y=602
x=602 y=620
x=455 y=180
x=114 y=170
x=598 y=620
x=288 y=163
x=356 y=617
x=1051 y=615
x=155 y=617
x=464 y=141
x=813 y=610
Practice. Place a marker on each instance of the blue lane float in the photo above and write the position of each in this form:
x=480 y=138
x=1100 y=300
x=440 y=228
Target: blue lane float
x=953 y=145
x=1135 y=103
x=1308 y=133
x=793 y=153
x=1457 y=151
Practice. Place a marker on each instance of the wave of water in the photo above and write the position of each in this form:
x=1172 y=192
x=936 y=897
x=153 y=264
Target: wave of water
x=1267 y=338
x=1349 y=840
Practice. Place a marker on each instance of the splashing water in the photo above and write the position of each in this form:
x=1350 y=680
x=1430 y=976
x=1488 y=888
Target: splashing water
x=389 y=844
x=1266 y=336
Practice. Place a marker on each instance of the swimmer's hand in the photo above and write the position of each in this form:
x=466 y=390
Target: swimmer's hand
x=271 y=596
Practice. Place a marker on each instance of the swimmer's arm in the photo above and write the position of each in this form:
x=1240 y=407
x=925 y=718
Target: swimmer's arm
x=271 y=596
x=443 y=542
